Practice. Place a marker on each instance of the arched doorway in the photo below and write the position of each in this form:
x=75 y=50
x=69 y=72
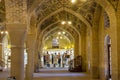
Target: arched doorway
x=6 y=51
x=108 y=66
x=59 y=47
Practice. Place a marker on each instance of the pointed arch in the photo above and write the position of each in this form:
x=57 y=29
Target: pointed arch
x=69 y=11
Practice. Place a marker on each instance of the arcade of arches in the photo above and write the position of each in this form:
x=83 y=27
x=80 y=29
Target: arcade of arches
x=33 y=32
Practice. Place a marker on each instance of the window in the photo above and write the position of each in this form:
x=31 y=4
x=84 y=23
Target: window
x=106 y=20
x=55 y=43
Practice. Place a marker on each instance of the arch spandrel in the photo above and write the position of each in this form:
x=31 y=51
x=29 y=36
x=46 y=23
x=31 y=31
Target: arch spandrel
x=63 y=16
x=82 y=12
x=53 y=33
x=71 y=31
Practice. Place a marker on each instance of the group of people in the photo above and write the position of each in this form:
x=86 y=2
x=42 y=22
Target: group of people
x=55 y=60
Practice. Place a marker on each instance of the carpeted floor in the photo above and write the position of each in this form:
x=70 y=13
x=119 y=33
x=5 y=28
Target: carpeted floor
x=53 y=74
x=60 y=74
x=4 y=75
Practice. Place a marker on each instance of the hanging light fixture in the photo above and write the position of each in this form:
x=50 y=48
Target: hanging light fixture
x=73 y=1
x=63 y=22
x=3 y=30
x=66 y=21
x=69 y=22
x=60 y=37
x=57 y=37
x=6 y=32
x=59 y=33
x=63 y=32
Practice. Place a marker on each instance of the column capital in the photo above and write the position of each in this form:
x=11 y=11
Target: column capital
x=16 y=27
x=17 y=33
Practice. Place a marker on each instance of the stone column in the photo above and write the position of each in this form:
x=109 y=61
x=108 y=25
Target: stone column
x=83 y=50
x=36 y=58
x=118 y=39
x=0 y=48
x=16 y=20
x=17 y=33
x=30 y=50
x=41 y=53
x=102 y=55
x=0 y=53
x=76 y=47
x=95 y=53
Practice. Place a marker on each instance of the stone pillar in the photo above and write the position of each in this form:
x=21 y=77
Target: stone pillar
x=102 y=55
x=16 y=20
x=95 y=53
x=36 y=58
x=83 y=50
x=17 y=33
x=0 y=53
x=0 y=48
x=76 y=47
x=118 y=39
x=41 y=53
x=30 y=50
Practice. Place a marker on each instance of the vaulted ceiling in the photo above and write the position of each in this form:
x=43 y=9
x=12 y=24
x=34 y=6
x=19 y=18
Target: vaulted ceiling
x=84 y=8
x=48 y=14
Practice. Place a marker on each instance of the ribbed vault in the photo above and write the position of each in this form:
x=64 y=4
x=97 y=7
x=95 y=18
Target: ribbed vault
x=55 y=30
x=86 y=9
x=62 y=16
x=65 y=39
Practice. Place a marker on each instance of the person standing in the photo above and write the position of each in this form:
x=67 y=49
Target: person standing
x=48 y=59
x=44 y=59
x=52 y=59
x=64 y=60
x=55 y=60
x=59 y=59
